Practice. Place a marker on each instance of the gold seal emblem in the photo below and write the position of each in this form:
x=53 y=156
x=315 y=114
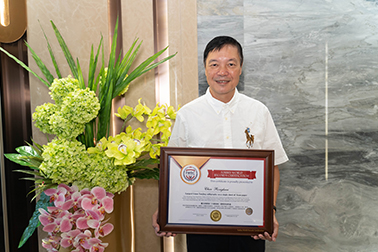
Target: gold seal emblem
x=215 y=215
x=249 y=211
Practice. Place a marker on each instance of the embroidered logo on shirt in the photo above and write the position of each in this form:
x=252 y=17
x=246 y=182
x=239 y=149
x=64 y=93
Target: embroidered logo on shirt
x=250 y=138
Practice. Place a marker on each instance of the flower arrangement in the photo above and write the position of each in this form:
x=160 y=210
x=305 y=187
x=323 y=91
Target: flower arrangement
x=82 y=153
x=76 y=221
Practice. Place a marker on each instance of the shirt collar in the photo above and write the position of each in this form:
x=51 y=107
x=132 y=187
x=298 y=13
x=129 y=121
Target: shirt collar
x=218 y=106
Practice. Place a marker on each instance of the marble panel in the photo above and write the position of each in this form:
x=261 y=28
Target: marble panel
x=313 y=63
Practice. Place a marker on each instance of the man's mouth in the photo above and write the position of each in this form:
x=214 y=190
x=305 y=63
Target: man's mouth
x=222 y=81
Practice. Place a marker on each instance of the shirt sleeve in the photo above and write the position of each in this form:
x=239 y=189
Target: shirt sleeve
x=179 y=133
x=272 y=141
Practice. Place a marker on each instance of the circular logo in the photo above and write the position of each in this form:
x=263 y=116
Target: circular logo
x=249 y=211
x=215 y=215
x=190 y=174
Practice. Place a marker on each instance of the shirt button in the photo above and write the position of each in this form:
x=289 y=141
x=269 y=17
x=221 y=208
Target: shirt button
x=227 y=137
x=225 y=118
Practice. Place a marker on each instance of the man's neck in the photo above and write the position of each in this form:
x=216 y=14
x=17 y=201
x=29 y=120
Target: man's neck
x=224 y=98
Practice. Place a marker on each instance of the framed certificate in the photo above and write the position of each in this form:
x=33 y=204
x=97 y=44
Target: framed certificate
x=216 y=191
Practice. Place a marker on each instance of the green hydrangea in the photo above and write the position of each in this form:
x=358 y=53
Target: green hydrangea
x=64 y=128
x=41 y=117
x=60 y=88
x=64 y=161
x=103 y=172
x=73 y=108
x=80 y=106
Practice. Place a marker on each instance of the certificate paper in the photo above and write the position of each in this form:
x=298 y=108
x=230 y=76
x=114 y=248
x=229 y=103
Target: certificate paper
x=216 y=190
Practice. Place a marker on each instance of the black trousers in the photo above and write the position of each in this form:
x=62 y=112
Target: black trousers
x=223 y=243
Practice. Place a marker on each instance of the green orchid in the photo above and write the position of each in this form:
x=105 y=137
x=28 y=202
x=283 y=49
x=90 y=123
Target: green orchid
x=171 y=112
x=140 y=110
x=155 y=150
x=124 y=112
x=123 y=152
x=100 y=146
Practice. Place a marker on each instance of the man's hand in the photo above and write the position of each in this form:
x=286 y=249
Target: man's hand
x=266 y=236
x=156 y=226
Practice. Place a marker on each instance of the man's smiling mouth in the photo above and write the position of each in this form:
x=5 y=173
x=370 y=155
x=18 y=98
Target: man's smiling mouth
x=222 y=81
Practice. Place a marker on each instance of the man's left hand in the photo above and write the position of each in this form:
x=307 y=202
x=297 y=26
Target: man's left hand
x=266 y=236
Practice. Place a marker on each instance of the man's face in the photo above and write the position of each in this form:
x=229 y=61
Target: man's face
x=223 y=69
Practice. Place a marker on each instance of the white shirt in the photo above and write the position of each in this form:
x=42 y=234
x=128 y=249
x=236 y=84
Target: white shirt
x=209 y=123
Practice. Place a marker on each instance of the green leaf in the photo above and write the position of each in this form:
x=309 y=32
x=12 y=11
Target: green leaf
x=144 y=67
x=17 y=158
x=146 y=174
x=92 y=68
x=38 y=190
x=143 y=164
x=152 y=66
x=36 y=180
x=107 y=90
x=89 y=134
x=43 y=202
x=34 y=173
x=66 y=52
x=52 y=56
x=104 y=114
x=41 y=65
x=37 y=148
x=80 y=76
x=27 y=151
x=24 y=66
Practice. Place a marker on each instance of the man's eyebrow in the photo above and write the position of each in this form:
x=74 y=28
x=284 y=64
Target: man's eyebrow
x=212 y=60
x=215 y=60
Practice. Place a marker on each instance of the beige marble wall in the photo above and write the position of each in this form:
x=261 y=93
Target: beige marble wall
x=81 y=24
x=182 y=38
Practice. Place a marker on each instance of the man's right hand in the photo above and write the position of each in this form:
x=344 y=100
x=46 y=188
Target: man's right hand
x=156 y=227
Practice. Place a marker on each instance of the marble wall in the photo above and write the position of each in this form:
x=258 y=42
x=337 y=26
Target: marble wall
x=314 y=64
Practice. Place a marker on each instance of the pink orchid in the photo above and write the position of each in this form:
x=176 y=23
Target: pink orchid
x=82 y=240
x=69 y=237
x=97 y=245
x=51 y=242
x=78 y=249
x=83 y=222
x=55 y=211
x=70 y=190
x=75 y=218
x=45 y=218
x=74 y=202
x=104 y=230
x=61 y=224
x=57 y=195
x=99 y=199
x=85 y=191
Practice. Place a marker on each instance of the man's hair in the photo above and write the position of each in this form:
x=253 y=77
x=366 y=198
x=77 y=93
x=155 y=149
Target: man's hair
x=218 y=43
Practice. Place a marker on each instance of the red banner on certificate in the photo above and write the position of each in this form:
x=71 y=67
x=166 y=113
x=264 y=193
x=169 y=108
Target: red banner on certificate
x=231 y=174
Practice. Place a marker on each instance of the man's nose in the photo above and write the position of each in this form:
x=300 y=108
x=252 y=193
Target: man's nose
x=223 y=70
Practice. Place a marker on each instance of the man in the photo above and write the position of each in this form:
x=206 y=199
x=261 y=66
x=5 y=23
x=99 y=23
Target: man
x=224 y=118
